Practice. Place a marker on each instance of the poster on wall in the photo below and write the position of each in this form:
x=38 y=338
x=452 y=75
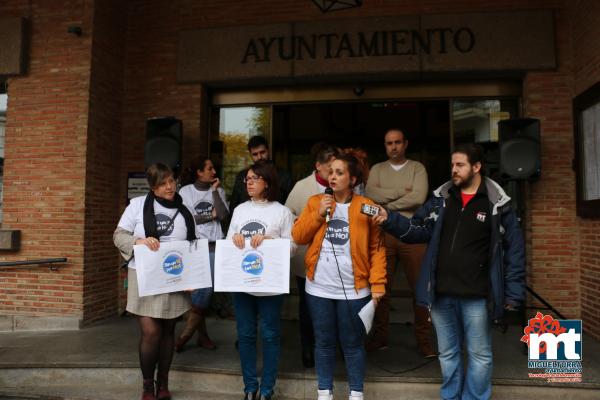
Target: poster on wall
x=265 y=269
x=174 y=267
x=137 y=185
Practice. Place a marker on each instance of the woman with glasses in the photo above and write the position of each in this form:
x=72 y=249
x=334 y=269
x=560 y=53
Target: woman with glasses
x=345 y=268
x=260 y=218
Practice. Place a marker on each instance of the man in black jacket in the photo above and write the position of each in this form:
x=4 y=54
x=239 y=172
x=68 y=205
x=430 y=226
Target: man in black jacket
x=473 y=269
x=259 y=150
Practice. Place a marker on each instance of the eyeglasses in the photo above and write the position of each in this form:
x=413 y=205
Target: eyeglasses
x=252 y=179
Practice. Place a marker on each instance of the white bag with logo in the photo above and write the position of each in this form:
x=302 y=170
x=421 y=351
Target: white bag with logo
x=265 y=269
x=174 y=267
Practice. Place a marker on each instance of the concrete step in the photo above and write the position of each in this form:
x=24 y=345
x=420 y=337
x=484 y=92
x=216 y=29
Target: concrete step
x=124 y=383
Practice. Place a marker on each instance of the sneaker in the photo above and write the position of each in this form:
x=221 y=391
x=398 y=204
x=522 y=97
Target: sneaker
x=324 y=394
x=355 y=395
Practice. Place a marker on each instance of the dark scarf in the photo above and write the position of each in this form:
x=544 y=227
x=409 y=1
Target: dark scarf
x=177 y=202
x=323 y=182
x=202 y=186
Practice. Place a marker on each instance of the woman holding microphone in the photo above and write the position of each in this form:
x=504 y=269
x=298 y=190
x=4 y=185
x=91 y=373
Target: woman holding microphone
x=160 y=216
x=345 y=269
x=260 y=218
x=203 y=195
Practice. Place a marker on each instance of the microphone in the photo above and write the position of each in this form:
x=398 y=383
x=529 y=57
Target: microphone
x=328 y=191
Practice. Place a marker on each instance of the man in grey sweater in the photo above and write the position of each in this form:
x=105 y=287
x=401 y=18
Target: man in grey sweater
x=400 y=185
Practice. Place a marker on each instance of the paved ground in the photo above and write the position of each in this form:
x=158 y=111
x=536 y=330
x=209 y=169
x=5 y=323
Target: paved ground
x=112 y=345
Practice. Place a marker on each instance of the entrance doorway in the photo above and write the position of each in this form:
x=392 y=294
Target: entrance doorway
x=432 y=126
x=426 y=124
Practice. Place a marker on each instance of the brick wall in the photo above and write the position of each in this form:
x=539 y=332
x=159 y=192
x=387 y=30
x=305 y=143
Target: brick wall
x=101 y=283
x=586 y=68
x=554 y=251
x=44 y=175
x=76 y=127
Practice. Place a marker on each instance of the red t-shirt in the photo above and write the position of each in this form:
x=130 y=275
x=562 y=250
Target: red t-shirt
x=466 y=198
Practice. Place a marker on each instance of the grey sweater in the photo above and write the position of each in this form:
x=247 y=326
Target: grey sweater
x=403 y=191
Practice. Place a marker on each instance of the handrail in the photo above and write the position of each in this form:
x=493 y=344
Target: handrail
x=544 y=302
x=27 y=263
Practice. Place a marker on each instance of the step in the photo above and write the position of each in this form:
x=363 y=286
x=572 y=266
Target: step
x=124 y=383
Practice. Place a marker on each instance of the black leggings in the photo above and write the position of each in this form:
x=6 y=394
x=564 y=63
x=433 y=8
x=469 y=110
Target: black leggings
x=157 y=342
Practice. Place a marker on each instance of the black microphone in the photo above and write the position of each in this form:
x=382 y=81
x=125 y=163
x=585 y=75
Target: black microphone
x=328 y=191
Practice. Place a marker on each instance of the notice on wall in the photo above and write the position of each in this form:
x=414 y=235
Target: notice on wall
x=137 y=185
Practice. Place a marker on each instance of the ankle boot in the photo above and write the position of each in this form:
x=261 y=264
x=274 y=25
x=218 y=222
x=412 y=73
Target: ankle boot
x=203 y=339
x=162 y=390
x=188 y=331
x=148 y=390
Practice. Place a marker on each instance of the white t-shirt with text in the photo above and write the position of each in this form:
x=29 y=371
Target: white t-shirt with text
x=201 y=203
x=336 y=245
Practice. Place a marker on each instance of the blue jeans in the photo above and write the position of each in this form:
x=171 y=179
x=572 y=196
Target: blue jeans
x=333 y=319
x=201 y=297
x=248 y=308
x=456 y=319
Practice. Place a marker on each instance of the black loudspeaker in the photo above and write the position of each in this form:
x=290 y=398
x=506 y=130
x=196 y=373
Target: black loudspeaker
x=520 y=148
x=163 y=142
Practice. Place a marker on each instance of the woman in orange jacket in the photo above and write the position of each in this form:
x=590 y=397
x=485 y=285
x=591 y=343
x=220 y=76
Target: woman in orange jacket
x=345 y=268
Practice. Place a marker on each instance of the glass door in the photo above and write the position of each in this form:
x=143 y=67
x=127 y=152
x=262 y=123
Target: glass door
x=231 y=129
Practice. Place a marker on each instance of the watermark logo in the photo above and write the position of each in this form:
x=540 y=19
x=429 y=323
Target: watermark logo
x=173 y=263
x=556 y=346
x=252 y=263
x=553 y=339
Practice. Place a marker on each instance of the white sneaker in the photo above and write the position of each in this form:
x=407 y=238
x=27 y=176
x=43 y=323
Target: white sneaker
x=324 y=394
x=355 y=395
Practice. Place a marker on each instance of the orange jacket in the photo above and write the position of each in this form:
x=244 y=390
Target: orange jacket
x=366 y=249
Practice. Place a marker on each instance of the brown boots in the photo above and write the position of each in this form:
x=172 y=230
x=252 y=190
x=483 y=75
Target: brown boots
x=196 y=322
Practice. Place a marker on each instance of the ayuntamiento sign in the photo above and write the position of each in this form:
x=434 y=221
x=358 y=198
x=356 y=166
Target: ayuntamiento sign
x=408 y=45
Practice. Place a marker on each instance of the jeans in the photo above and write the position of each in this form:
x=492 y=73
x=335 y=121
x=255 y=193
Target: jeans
x=307 y=336
x=456 y=319
x=248 y=308
x=201 y=297
x=333 y=319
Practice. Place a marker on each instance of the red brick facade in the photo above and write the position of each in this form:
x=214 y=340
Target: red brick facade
x=586 y=72
x=76 y=127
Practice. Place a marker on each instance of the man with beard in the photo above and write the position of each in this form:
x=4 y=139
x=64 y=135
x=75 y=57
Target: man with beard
x=472 y=271
x=259 y=150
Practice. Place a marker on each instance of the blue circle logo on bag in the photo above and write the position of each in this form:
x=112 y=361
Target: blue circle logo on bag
x=252 y=263
x=162 y=223
x=252 y=228
x=338 y=232
x=173 y=264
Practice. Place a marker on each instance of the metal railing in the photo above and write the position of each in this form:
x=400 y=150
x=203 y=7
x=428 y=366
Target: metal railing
x=29 y=263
